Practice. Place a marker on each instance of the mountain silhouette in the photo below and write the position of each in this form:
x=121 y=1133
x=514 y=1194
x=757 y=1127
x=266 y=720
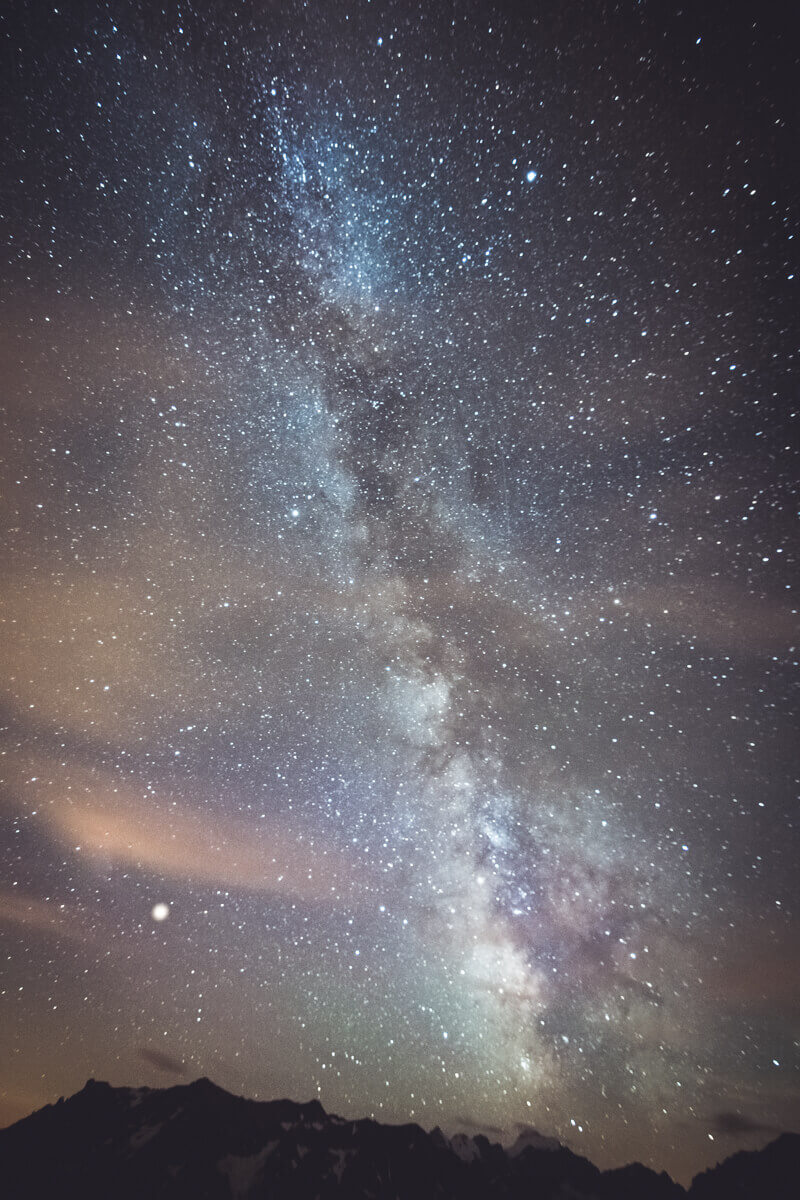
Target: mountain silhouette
x=198 y=1142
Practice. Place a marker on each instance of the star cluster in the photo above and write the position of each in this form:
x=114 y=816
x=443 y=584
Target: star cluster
x=397 y=614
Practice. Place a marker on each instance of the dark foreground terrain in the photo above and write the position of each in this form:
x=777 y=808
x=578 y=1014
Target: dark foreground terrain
x=200 y=1143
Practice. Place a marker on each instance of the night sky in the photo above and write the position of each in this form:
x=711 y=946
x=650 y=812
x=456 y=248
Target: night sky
x=397 y=592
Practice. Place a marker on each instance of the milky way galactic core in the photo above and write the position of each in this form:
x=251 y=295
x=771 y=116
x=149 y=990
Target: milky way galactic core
x=398 y=604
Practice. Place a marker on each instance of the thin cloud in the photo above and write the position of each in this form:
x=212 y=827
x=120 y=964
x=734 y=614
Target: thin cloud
x=733 y=1124
x=45 y=916
x=480 y=1127
x=162 y=1061
x=109 y=823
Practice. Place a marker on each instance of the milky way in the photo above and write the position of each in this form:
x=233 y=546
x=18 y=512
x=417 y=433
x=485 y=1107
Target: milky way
x=397 y=612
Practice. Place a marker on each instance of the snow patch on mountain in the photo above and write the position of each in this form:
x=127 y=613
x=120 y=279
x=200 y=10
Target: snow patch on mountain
x=531 y=1139
x=142 y=1136
x=242 y=1171
x=465 y=1147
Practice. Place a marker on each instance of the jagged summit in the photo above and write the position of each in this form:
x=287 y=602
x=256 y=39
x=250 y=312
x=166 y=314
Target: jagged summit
x=196 y=1141
x=769 y=1173
x=531 y=1138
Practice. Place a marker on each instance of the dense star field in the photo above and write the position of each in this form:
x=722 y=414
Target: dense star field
x=398 y=613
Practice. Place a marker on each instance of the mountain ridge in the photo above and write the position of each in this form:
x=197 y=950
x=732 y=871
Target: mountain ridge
x=198 y=1140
